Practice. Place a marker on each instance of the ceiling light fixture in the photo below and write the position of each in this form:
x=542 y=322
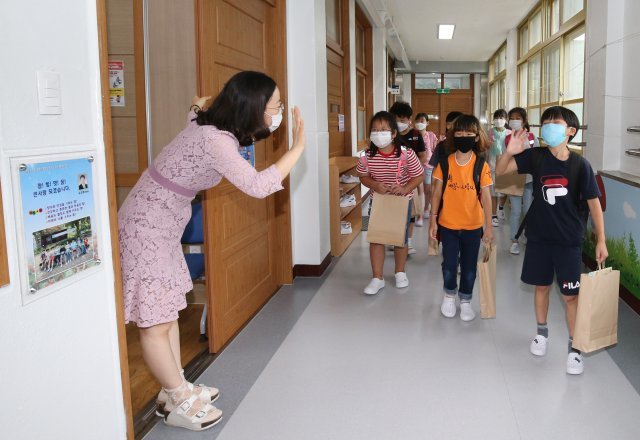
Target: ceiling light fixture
x=445 y=31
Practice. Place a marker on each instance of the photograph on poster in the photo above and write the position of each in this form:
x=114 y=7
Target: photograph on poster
x=58 y=215
x=62 y=248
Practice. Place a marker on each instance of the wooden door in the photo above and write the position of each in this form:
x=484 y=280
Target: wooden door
x=247 y=240
x=338 y=79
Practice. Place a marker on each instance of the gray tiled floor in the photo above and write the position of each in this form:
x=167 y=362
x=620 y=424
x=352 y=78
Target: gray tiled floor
x=391 y=367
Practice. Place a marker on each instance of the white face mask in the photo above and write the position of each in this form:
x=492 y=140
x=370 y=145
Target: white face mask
x=402 y=126
x=498 y=123
x=515 y=124
x=276 y=120
x=421 y=125
x=380 y=138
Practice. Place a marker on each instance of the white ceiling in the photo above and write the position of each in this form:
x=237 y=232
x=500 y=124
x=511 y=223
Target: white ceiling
x=481 y=26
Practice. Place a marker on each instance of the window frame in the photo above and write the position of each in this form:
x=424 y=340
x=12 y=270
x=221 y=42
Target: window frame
x=549 y=39
x=497 y=80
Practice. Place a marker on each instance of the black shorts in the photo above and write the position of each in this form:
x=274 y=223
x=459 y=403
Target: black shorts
x=542 y=260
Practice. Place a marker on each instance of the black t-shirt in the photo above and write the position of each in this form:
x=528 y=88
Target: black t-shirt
x=436 y=153
x=554 y=216
x=413 y=139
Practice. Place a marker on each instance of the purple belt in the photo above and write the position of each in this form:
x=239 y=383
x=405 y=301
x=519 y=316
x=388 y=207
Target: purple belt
x=168 y=184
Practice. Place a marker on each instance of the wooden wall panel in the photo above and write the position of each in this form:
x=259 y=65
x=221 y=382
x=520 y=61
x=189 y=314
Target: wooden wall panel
x=125 y=136
x=172 y=68
x=120 y=27
x=4 y=256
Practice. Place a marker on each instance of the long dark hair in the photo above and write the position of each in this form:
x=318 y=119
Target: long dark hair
x=240 y=106
x=523 y=114
x=393 y=125
x=471 y=124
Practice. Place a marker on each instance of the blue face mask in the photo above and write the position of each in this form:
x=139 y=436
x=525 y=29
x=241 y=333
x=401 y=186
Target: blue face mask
x=553 y=134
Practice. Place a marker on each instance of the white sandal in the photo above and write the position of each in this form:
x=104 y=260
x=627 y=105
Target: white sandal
x=207 y=417
x=206 y=395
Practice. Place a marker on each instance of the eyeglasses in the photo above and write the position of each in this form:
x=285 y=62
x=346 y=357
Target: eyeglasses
x=280 y=107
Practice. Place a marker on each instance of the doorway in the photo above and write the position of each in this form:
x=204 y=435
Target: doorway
x=170 y=50
x=437 y=94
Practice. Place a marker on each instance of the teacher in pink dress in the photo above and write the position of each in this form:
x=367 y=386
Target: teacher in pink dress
x=155 y=213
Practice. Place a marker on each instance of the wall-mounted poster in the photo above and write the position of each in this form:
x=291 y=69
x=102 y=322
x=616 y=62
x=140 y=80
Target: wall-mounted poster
x=58 y=220
x=116 y=83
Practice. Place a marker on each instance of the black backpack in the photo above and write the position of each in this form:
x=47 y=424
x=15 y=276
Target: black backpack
x=575 y=163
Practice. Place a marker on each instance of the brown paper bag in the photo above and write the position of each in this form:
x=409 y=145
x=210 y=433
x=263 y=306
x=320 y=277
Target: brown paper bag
x=487 y=276
x=597 y=317
x=511 y=184
x=418 y=204
x=388 y=220
x=433 y=247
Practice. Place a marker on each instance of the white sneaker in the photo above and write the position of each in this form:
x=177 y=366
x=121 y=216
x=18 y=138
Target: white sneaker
x=401 y=280
x=500 y=213
x=419 y=222
x=448 y=307
x=412 y=250
x=348 y=201
x=575 y=364
x=494 y=221
x=374 y=286
x=515 y=248
x=538 y=346
x=426 y=214
x=346 y=178
x=466 y=312
x=345 y=228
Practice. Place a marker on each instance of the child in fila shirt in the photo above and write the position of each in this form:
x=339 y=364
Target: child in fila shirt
x=462 y=216
x=562 y=183
x=388 y=168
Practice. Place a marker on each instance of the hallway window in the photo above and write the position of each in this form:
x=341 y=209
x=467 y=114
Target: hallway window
x=428 y=81
x=553 y=72
x=457 y=81
x=498 y=78
x=570 y=8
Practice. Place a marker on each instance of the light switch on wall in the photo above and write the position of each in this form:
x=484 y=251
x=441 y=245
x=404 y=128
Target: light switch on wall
x=49 y=95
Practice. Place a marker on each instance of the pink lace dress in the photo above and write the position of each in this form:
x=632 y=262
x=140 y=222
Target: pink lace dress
x=154 y=215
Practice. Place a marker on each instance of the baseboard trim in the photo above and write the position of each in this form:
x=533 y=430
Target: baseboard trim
x=312 y=270
x=631 y=300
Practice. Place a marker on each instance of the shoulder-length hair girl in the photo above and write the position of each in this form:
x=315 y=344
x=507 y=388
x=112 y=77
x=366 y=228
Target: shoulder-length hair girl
x=240 y=107
x=390 y=119
x=523 y=114
x=470 y=124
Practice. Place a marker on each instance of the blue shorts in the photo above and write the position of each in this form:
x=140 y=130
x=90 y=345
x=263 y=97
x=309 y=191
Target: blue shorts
x=542 y=261
x=428 y=172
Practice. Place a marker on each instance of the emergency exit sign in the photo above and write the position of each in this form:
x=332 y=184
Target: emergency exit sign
x=442 y=91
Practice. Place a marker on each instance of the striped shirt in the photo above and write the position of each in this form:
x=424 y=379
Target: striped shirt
x=389 y=169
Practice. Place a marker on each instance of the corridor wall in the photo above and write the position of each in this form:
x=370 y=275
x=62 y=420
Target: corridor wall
x=60 y=371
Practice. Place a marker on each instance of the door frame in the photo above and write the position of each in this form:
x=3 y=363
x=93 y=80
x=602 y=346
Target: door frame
x=281 y=227
x=101 y=12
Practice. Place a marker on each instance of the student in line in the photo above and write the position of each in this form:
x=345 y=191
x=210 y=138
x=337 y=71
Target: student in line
x=409 y=137
x=564 y=193
x=497 y=136
x=388 y=168
x=430 y=141
x=518 y=121
x=463 y=215
x=440 y=149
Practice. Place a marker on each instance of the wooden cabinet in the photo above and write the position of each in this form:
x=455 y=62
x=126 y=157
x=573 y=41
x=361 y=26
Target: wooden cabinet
x=338 y=166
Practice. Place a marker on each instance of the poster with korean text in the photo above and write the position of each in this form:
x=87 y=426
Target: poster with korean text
x=59 y=220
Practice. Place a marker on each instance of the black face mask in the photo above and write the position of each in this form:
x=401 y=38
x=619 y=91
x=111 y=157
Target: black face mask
x=464 y=143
